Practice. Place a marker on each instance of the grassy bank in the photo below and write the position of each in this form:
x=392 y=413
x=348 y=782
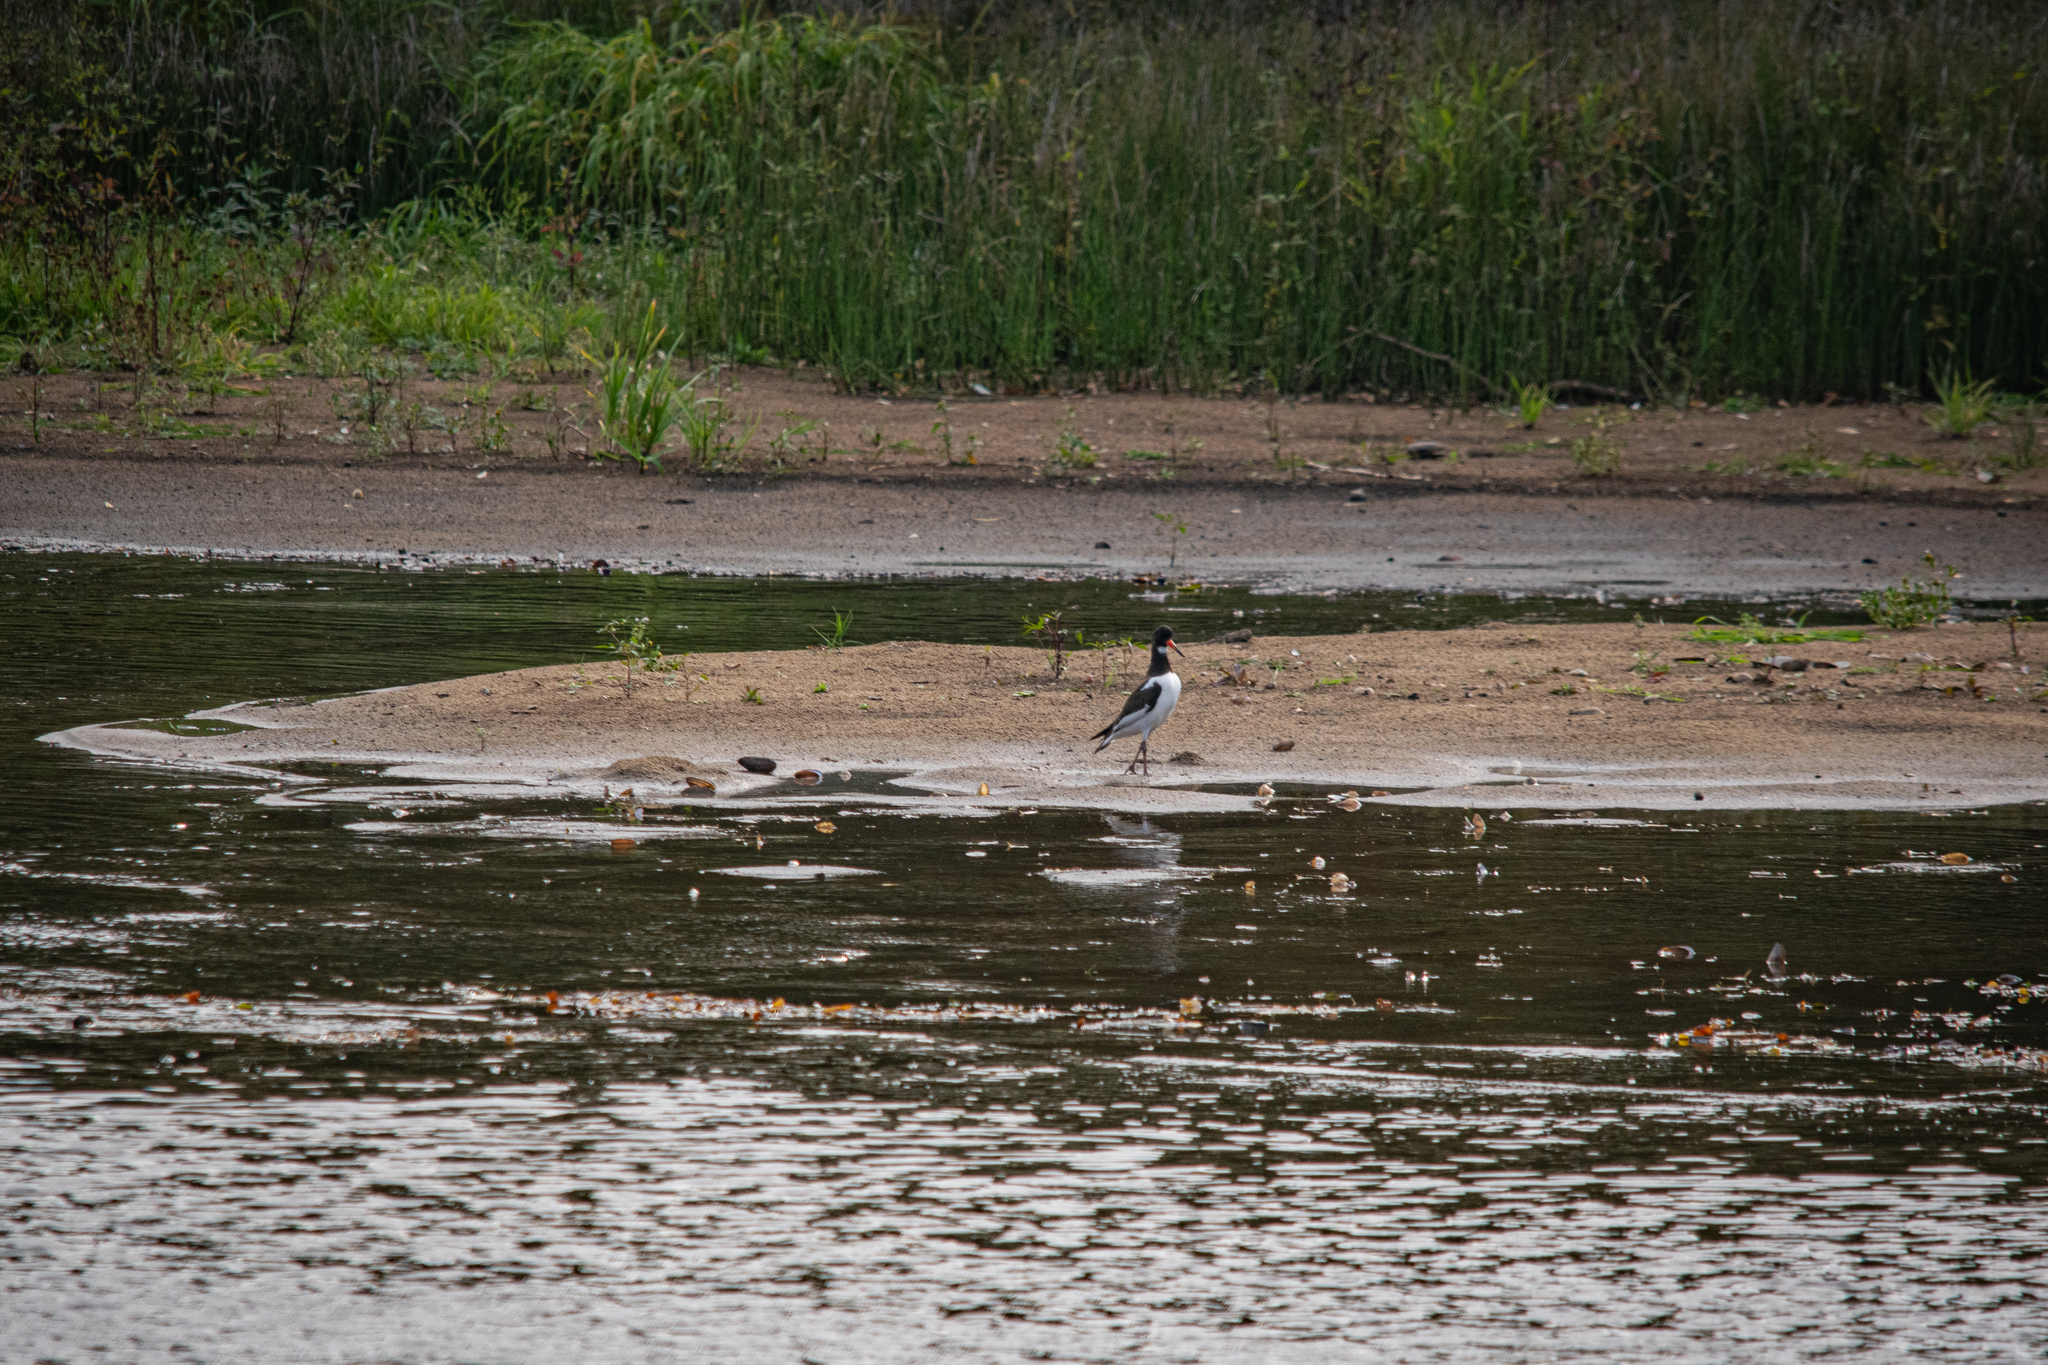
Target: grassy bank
x=1656 y=199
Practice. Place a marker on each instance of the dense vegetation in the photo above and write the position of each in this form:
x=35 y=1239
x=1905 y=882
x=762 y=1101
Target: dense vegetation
x=1660 y=198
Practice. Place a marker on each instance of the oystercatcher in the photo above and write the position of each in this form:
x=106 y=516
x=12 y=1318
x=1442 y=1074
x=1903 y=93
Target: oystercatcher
x=1149 y=706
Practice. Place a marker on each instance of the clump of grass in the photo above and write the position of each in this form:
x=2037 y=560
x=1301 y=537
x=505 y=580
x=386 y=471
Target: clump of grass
x=1960 y=406
x=632 y=639
x=1808 y=460
x=835 y=638
x=1070 y=448
x=1531 y=401
x=639 y=405
x=1913 y=602
x=1749 y=629
x=1597 y=455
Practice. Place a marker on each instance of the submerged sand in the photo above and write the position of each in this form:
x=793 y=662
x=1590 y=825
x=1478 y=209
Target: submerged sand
x=1497 y=715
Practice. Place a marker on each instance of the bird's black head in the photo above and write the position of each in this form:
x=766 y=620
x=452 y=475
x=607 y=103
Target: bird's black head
x=1162 y=638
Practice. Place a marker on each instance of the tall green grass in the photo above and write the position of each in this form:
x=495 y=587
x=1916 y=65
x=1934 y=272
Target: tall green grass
x=1785 y=198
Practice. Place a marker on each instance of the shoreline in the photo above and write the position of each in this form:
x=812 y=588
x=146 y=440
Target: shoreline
x=1493 y=717
x=1306 y=539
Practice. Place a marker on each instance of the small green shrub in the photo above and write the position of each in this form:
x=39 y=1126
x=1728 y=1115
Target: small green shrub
x=1913 y=603
x=1531 y=401
x=639 y=404
x=1961 y=406
x=1598 y=455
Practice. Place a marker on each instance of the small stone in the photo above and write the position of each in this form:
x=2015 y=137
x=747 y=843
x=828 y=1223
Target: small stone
x=1102 y=545
x=1361 y=692
x=758 y=765
x=1587 y=711
x=1283 y=746
x=1187 y=758
x=1742 y=677
x=1450 y=559
x=1427 y=450
x=1356 y=495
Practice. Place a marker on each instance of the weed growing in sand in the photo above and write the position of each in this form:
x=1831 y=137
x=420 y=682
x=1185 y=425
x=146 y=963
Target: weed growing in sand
x=1913 y=603
x=1175 y=528
x=1597 y=455
x=1808 y=460
x=1071 y=450
x=1960 y=407
x=639 y=403
x=942 y=428
x=835 y=638
x=752 y=696
x=822 y=687
x=633 y=642
x=1749 y=629
x=1047 y=626
x=1531 y=401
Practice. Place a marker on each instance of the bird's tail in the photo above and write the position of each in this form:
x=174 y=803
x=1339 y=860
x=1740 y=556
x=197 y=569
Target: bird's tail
x=1103 y=735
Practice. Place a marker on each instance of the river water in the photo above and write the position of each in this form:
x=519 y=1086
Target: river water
x=460 y=1082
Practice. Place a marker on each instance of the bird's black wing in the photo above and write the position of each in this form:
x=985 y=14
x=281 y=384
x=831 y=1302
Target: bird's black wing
x=1139 y=700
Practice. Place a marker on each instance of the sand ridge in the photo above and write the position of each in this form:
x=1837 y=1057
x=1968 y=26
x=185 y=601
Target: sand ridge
x=1608 y=715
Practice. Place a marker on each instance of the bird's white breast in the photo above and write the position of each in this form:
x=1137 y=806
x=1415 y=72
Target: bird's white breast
x=1169 y=693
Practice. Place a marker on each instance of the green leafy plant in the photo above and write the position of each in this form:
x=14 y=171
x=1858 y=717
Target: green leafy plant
x=1047 y=626
x=1070 y=449
x=942 y=428
x=822 y=687
x=1531 y=401
x=1742 y=402
x=639 y=404
x=1913 y=602
x=1808 y=460
x=752 y=696
x=633 y=641
x=1751 y=630
x=835 y=638
x=1172 y=526
x=1597 y=455
x=1960 y=407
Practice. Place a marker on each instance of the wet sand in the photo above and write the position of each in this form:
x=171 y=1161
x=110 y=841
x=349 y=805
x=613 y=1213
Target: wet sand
x=1496 y=716
x=1307 y=537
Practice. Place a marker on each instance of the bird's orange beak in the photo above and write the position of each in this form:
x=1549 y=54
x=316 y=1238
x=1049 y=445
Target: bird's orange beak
x=1174 y=647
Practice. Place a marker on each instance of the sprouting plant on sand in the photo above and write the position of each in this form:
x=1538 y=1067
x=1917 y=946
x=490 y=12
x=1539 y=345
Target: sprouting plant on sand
x=1175 y=528
x=1597 y=455
x=1960 y=406
x=942 y=427
x=752 y=696
x=1913 y=603
x=639 y=403
x=1071 y=449
x=1047 y=626
x=633 y=641
x=835 y=637
x=1531 y=401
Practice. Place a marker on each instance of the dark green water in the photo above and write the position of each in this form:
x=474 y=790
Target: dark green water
x=1372 y=1142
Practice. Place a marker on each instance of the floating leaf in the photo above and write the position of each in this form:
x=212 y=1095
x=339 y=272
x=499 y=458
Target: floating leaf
x=621 y=845
x=808 y=777
x=982 y=790
x=191 y=997
x=1955 y=859
x=824 y=827
x=1316 y=863
x=1251 y=888
x=701 y=784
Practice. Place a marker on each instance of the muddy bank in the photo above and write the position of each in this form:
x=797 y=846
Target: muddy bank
x=1496 y=716
x=1306 y=538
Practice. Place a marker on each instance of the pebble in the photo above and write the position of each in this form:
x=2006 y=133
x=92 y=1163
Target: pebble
x=758 y=765
x=1427 y=450
x=1587 y=711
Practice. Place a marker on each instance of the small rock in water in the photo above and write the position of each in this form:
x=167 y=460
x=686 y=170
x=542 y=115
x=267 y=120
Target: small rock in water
x=1678 y=950
x=1254 y=1028
x=1316 y=863
x=1427 y=450
x=758 y=765
x=1955 y=859
x=1102 y=545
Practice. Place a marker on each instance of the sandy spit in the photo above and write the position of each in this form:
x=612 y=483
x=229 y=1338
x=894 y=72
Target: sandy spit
x=1494 y=716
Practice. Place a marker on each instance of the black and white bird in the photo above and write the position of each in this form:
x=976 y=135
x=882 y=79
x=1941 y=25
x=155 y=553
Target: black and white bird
x=1149 y=706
